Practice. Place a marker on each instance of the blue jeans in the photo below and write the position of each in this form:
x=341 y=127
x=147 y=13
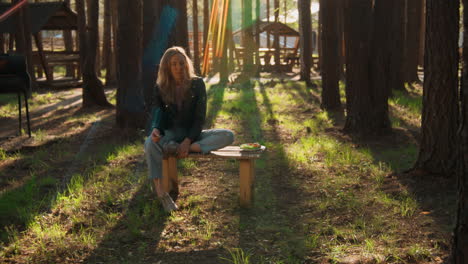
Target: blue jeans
x=209 y=140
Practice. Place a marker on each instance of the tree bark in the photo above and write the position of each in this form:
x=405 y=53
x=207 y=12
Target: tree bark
x=23 y=41
x=179 y=35
x=68 y=41
x=440 y=110
x=422 y=34
x=460 y=239
x=386 y=51
x=130 y=104
x=413 y=28
x=206 y=22
x=247 y=36
x=330 y=52
x=224 y=71
x=365 y=115
x=341 y=43
x=93 y=90
x=151 y=16
x=305 y=42
x=396 y=49
x=319 y=36
x=106 y=38
x=258 y=65
x=276 y=45
x=111 y=73
x=196 y=46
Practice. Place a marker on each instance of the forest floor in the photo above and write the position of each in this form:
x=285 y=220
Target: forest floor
x=77 y=191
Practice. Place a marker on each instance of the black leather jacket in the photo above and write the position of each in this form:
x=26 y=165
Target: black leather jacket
x=190 y=117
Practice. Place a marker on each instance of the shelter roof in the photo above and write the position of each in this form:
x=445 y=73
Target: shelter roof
x=274 y=28
x=43 y=16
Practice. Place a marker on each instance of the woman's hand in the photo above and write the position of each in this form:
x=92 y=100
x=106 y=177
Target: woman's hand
x=155 y=135
x=184 y=147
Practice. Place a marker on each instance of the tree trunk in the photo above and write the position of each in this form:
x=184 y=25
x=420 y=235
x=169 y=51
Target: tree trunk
x=93 y=90
x=363 y=102
x=258 y=65
x=440 y=111
x=330 y=60
x=396 y=50
x=276 y=45
x=247 y=37
x=151 y=16
x=319 y=36
x=24 y=42
x=196 y=47
x=90 y=17
x=206 y=22
x=460 y=239
x=305 y=42
x=81 y=37
x=111 y=73
x=179 y=35
x=413 y=27
x=68 y=41
x=386 y=52
x=106 y=37
x=341 y=43
x=130 y=105
x=224 y=71
x=422 y=34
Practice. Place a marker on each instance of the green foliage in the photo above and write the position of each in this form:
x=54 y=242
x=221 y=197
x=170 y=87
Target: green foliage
x=238 y=256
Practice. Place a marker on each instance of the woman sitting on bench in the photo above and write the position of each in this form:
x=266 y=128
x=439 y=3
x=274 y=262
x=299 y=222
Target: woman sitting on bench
x=179 y=109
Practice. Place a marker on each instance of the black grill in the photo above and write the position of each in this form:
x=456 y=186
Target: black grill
x=14 y=78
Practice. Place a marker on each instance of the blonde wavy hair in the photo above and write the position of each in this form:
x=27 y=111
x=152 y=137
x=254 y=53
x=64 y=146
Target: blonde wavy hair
x=165 y=80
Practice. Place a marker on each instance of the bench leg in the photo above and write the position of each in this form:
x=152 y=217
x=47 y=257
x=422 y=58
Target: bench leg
x=19 y=112
x=247 y=176
x=170 y=181
x=27 y=113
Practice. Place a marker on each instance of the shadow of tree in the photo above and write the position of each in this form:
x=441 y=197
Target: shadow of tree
x=215 y=96
x=40 y=175
x=136 y=231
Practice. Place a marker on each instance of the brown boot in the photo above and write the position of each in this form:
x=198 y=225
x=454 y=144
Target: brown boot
x=167 y=203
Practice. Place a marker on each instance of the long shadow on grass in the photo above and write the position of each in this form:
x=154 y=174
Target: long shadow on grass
x=41 y=176
x=305 y=93
x=138 y=230
x=215 y=97
x=136 y=237
x=36 y=117
x=434 y=196
x=272 y=218
x=34 y=195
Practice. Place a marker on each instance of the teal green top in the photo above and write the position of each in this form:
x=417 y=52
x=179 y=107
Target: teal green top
x=190 y=117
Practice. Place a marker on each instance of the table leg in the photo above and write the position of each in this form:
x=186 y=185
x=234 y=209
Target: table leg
x=170 y=181
x=247 y=176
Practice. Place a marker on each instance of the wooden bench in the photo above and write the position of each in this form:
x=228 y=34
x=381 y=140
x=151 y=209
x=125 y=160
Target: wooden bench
x=246 y=169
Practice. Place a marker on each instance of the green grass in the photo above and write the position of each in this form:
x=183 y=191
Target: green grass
x=238 y=256
x=342 y=210
x=9 y=103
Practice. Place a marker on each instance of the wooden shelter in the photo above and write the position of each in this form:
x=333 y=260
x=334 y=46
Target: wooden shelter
x=289 y=43
x=46 y=16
